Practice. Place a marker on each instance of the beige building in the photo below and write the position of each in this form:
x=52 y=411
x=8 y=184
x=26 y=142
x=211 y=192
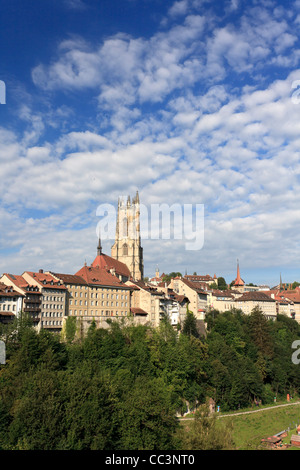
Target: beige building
x=250 y=300
x=195 y=293
x=127 y=247
x=289 y=302
x=220 y=300
x=206 y=279
x=95 y=295
x=148 y=300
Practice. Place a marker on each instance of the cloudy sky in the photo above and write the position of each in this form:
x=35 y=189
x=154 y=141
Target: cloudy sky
x=189 y=102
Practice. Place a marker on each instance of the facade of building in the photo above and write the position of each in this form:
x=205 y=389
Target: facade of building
x=195 y=293
x=249 y=300
x=53 y=306
x=96 y=295
x=10 y=303
x=30 y=294
x=205 y=279
x=127 y=247
x=221 y=300
x=149 y=300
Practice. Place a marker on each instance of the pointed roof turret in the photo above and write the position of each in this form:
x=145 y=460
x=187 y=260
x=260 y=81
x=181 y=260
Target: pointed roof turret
x=238 y=281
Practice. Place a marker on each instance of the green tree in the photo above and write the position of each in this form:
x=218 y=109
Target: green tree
x=260 y=332
x=222 y=285
x=206 y=433
x=148 y=417
x=70 y=329
x=190 y=324
x=37 y=414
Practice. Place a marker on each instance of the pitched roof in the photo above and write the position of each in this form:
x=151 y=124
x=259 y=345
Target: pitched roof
x=138 y=311
x=238 y=280
x=198 y=278
x=294 y=296
x=19 y=281
x=46 y=280
x=196 y=286
x=255 y=296
x=70 y=278
x=100 y=276
x=141 y=285
x=8 y=291
x=107 y=262
x=222 y=293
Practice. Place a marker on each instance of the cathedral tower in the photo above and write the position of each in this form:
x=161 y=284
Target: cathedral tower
x=127 y=247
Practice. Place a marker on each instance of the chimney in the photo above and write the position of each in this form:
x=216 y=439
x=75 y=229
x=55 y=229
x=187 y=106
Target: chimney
x=41 y=271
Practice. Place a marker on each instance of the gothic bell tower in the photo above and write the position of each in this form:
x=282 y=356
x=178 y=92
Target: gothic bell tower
x=127 y=247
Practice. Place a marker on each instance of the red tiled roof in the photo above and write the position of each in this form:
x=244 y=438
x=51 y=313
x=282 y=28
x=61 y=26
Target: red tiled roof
x=7 y=314
x=99 y=276
x=138 y=311
x=238 y=281
x=8 y=291
x=18 y=280
x=290 y=295
x=46 y=280
x=107 y=262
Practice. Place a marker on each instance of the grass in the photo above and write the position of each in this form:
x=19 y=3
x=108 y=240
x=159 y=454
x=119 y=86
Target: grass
x=249 y=429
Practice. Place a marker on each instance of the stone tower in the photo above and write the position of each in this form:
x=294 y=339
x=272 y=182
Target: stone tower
x=127 y=247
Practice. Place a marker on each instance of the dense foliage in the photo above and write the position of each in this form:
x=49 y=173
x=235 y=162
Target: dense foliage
x=122 y=387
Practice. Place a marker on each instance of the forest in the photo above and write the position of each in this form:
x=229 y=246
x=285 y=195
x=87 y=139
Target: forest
x=124 y=387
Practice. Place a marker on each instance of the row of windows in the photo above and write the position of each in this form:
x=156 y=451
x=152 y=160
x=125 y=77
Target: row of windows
x=103 y=303
x=57 y=307
x=52 y=314
x=52 y=323
x=8 y=307
x=99 y=312
x=112 y=296
x=53 y=298
x=85 y=288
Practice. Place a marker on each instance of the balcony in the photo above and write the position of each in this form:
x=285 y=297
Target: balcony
x=32 y=300
x=31 y=308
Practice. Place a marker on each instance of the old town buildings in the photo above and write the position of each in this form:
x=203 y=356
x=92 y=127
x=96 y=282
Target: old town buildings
x=113 y=288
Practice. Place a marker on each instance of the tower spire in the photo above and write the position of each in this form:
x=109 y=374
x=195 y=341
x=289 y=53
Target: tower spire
x=99 y=247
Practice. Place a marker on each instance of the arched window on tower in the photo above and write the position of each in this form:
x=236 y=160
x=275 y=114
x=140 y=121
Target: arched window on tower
x=125 y=249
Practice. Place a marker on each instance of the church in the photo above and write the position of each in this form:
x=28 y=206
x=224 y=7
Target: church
x=127 y=247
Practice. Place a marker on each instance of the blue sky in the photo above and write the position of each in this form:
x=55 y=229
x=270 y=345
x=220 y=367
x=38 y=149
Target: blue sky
x=189 y=102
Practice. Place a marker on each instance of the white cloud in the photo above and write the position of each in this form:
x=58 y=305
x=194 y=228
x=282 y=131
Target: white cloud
x=219 y=130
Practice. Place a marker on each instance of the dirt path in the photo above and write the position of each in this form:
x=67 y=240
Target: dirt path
x=251 y=411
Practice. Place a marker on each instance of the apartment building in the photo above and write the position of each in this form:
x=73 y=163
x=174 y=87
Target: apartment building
x=10 y=303
x=250 y=300
x=195 y=293
x=30 y=301
x=147 y=301
x=53 y=301
x=94 y=294
x=221 y=300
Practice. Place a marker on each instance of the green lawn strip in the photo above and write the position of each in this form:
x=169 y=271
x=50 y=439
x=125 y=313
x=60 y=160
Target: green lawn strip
x=249 y=429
